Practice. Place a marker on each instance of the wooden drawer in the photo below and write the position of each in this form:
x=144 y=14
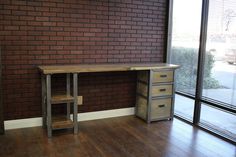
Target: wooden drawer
x=163 y=76
x=162 y=90
x=141 y=107
x=161 y=108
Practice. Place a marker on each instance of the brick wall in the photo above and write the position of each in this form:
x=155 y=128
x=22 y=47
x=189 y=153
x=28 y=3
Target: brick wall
x=40 y=32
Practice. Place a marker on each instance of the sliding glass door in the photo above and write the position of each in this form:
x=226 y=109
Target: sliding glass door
x=203 y=42
x=220 y=68
x=219 y=84
x=184 y=52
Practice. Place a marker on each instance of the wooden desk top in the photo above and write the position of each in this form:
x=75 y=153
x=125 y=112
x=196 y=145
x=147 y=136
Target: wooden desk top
x=82 y=68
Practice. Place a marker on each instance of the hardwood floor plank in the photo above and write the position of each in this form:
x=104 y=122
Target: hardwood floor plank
x=116 y=137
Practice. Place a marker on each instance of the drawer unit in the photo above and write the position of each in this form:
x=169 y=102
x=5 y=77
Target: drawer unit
x=155 y=94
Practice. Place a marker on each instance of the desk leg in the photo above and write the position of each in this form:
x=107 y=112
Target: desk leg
x=150 y=76
x=68 y=94
x=49 y=112
x=75 y=84
x=43 y=100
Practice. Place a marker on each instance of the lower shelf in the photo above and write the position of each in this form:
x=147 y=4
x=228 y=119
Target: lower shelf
x=62 y=98
x=61 y=122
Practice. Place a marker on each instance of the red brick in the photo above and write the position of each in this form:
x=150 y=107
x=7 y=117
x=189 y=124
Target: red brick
x=41 y=18
x=11 y=28
x=65 y=32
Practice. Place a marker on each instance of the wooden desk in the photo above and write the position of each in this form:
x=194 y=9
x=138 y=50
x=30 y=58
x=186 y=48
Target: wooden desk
x=63 y=69
x=146 y=72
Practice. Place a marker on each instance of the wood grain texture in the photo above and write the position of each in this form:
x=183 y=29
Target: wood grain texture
x=117 y=137
x=61 y=122
x=142 y=107
x=63 y=98
x=142 y=89
x=162 y=90
x=57 y=69
x=163 y=76
x=161 y=108
x=143 y=76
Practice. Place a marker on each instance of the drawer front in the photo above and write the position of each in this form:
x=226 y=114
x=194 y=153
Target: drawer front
x=161 y=108
x=142 y=89
x=162 y=90
x=163 y=76
x=141 y=107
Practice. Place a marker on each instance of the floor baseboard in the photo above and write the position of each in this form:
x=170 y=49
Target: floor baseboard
x=33 y=122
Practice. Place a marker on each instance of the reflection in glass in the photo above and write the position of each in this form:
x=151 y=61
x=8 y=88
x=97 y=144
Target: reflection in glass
x=184 y=107
x=220 y=63
x=220 y=120
x=185 y=43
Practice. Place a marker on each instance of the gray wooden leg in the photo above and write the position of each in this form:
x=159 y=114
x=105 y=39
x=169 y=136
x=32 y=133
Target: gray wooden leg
x=49 y=112
x=75 y=94
x=136 y=97
x=173 y=100
x=43 y=100
x=68 y=94
x=149 y=96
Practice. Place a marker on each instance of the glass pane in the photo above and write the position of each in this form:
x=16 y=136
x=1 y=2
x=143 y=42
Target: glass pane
x=220 y=120
x=185 y=42
x=220 y=64
x=184 y=107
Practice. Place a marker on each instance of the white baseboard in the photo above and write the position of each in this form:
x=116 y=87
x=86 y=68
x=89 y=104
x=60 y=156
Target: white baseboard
x=33 y=122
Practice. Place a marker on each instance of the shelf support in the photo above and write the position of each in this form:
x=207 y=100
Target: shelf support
x=49 y=112
x=75 y=106
x=68 y=94
x=43 y=100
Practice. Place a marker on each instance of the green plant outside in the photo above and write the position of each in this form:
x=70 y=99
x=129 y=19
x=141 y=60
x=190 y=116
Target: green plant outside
x=187 y=74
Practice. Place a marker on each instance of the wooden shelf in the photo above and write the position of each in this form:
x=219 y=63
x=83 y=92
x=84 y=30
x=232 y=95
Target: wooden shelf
x=61 y=98
x=61 y=122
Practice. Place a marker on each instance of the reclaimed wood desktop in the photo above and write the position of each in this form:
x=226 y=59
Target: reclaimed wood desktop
x=48 y=99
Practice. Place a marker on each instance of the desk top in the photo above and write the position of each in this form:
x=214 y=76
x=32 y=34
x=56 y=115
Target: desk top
x=82 y=68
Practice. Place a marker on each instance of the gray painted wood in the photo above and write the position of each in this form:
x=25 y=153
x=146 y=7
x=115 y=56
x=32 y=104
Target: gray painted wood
x=49 y=112
x=150 y=78
x=2 y=129
x=75 y=106
x=173 y=98
x=152 y=98
x=68 y=94
x=43 y=101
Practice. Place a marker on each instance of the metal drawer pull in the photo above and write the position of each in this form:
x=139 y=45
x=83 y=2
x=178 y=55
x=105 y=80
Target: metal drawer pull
x=162 y=90
x=163 y=75
x=163 y=105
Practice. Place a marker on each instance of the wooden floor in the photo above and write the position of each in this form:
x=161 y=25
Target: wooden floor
x=116 y=137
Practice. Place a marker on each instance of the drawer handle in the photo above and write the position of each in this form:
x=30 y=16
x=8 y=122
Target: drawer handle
x=162 y=90
x=163 y=76
x=163 y=105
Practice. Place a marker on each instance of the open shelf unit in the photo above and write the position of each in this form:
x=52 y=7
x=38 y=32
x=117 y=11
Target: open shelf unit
x=49 y=99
